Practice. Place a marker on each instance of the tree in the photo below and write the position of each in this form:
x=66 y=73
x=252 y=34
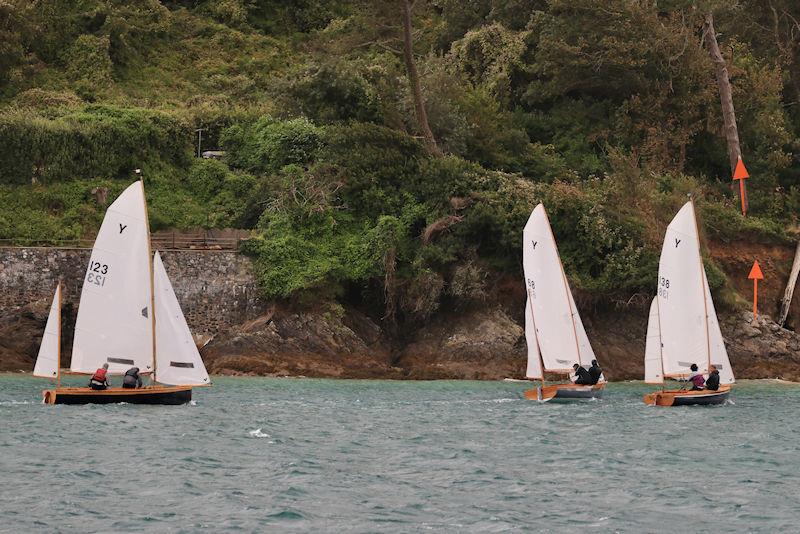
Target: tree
x=413 y=79
x=725 y=92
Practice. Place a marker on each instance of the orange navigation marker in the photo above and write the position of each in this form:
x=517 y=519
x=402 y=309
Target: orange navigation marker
x=755 y=275
x=741 y=174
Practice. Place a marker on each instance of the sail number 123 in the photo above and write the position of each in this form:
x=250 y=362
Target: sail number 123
x=97 y=273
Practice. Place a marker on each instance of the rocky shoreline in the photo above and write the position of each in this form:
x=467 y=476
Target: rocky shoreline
x=476 y=343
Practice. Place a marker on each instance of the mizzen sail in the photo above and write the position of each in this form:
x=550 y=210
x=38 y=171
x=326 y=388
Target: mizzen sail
x=47 y=361
x=114 y=316
x=177 y=360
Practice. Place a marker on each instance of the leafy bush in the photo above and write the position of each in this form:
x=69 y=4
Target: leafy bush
x=97 y=141
x=268 y=145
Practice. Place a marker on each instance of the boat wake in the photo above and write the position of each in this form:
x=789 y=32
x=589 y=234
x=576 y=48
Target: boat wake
x=257 y=433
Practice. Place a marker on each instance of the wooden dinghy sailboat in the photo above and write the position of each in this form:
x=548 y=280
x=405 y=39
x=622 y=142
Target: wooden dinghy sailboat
x=125 y=290
x=683 y=328
x=553 y=327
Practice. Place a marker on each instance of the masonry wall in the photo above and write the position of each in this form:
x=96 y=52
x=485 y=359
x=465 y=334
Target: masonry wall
x=216 y=289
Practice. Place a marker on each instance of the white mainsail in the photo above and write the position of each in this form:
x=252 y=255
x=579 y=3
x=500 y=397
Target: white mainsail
x=652 y=352
x=558 y=325
x=681 y=297
x=177 y=360
x=114 y=323
x=534 y=367
x=689 y=328
x=719 y=355
x=47 y=361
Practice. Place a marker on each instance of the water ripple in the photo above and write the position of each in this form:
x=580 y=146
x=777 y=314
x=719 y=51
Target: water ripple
x=364 y=456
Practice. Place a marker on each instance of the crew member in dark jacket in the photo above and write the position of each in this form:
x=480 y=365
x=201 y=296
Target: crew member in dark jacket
x=582 y=376
x=712 y=382
x=595 y=372
x=132 y=380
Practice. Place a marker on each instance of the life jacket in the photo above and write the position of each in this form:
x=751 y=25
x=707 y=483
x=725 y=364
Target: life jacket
x=99 y=375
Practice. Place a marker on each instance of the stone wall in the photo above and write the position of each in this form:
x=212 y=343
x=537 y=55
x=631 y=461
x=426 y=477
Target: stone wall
x=216 y=289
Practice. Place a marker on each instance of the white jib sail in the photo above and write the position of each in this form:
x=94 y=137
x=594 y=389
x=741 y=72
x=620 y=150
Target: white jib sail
x=681 y=297
x=719 y=355
x=534 y=368
x=47 y=360
x=114 y=322
x=550 y=296
x=652 y=351
x=177 y=360
x=586 y=351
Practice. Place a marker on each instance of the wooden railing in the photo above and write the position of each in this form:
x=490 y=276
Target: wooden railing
x=159 y=241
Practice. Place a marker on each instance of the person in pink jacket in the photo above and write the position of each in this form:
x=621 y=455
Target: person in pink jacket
x=697 y=380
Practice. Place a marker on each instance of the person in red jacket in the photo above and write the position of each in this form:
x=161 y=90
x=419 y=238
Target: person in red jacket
x=99 y=379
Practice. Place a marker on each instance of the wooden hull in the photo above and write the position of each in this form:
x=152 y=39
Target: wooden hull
x=172 y=395
x=681 y=397
x=565 y=392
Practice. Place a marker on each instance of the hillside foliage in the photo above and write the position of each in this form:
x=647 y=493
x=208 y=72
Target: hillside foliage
x=605 y=110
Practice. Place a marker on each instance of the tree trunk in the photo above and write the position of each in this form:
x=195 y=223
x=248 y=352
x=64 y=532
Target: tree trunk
x=725 y=92
x=413 y=78
x=726 y=99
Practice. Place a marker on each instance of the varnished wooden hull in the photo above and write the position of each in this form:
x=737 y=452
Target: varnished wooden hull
x=170 y=395
x=681 y=397
x=565 y=392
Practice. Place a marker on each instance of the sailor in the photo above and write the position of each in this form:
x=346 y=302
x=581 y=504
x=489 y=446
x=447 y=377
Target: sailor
x=696 y=378
x=582 y=376
x=132 y=380
x=99 y=379
x=595 y=372
x=713 y=379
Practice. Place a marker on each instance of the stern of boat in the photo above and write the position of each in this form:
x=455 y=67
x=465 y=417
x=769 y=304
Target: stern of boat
x=48 y=396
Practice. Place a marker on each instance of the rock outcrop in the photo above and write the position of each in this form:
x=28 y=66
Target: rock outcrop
x=759 y=348
x=20 y=336
x=334 y=343
x=477 y=344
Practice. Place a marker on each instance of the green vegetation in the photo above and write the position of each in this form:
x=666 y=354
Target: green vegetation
x=605 y=110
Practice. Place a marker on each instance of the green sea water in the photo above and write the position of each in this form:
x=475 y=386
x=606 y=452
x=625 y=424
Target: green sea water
x=254 y=455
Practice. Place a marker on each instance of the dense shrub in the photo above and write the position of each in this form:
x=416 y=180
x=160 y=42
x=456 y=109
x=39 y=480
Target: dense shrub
x=268 y=145
x=95 y=142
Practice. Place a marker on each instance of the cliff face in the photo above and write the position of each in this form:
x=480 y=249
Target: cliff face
x=479 y=341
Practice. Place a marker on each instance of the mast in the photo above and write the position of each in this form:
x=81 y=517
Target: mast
x=702 y=287
x=58 y=339
x=153 y=378
x=536 y=334
x=566 y=292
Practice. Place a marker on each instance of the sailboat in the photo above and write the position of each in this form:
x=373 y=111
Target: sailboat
x=128 y=317
x=683 y=328
x=553 y=328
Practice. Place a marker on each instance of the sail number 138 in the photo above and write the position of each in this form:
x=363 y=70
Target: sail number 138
x=97 y=273
x=663 y=287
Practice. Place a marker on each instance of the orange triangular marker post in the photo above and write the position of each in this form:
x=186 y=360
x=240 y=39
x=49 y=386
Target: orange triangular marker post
x=740 y=172
x=755 y=272
x=755 y=275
